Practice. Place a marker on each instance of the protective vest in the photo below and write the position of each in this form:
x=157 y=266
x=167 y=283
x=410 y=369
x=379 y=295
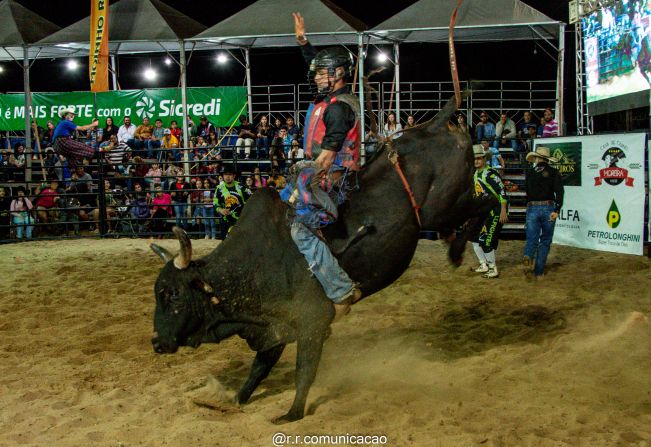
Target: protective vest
x=348 y=154
x=483 y=185
x=229 y=198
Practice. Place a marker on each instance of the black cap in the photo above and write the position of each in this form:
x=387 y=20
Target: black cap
x=203 y=117
x=228 y=169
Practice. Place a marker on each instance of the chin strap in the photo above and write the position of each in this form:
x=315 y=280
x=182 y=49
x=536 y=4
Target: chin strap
x=393 y=158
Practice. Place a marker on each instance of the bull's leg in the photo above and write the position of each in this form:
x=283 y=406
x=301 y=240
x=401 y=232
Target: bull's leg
x=308 y=355
x=262 y=364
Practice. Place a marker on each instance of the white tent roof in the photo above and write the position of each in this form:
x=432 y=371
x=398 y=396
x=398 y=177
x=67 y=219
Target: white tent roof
x=269 y=23
x=135 y=26
x=477 y=21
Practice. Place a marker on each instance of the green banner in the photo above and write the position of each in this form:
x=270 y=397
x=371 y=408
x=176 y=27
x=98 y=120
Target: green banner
x=222 y=106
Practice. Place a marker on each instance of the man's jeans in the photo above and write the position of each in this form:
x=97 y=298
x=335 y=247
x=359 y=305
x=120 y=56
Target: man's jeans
x=336 y=283
x=179 y=211
x=540 y=231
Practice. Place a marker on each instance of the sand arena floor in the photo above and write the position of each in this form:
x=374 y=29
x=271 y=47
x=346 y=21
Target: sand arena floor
x=441 y=358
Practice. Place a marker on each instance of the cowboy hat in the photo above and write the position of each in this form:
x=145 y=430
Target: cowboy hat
x=478 y=151
x=541 y=152
x=64 y=112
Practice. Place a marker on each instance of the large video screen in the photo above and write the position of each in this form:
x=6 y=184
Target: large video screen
x=617 y=43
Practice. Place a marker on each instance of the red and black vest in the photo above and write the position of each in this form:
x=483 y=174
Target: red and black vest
x=349 y=153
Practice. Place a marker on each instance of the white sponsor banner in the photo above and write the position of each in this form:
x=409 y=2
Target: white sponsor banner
x=603 y=207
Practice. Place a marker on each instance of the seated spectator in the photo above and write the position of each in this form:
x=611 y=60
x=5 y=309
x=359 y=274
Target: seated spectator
x=5 y=214
x=204 y=128
x=258 y=180
x=550 y=125
x=114 y=151
x=153 y=177
x=143 y=136
x=276 y=128
x=523 y=127
x=296 y=154
x=505 y=133
x=46 y=203
x=541 y=128
x=249 y=185
x=264 y=134
x=493 y=157
x=49 y=162
x=123 y=173
x=179 y=192
x=127 y=133
x=485 y=130
x=84 y=177
x=17 y=161
x=175 y=130
x=47 y=138
x=6 y=168
x=208 y=209
x=292 y=129
x=411 y=122
x=213 y=140
x=287 y=140
x=392 y=126
x=171 y=143
x=462 y=124
x=245 y=137
x=161 y=210
x=109 y=129
x=21 y=209
x=526 y=145
x=138 y=168
x=277 y=155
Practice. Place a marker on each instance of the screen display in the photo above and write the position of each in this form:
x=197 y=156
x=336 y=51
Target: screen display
x=617 y=44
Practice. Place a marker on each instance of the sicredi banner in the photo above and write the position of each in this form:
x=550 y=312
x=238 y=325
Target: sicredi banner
x=603 y=208
x=221 y=105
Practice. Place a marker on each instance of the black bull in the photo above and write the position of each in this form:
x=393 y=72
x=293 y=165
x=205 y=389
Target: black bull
x=257 y=285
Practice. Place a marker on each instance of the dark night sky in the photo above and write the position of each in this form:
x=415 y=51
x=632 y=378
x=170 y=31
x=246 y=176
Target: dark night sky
x=507 y=61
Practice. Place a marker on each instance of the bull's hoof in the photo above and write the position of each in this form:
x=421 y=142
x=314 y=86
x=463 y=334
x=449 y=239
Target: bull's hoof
x=289 y=417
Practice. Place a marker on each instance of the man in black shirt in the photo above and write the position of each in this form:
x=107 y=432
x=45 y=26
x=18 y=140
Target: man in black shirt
x=544 y=201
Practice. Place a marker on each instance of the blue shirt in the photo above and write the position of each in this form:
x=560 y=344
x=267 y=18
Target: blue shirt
x=486 y=132
x=65 y=128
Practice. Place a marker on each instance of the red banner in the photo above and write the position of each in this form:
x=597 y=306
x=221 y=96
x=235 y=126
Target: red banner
x=613 y=173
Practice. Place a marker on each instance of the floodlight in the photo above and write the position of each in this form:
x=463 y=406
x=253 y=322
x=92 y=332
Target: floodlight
x=72 y=65
x=222 y=58
x=168 y=61
x=382 y=58
x=150 y=74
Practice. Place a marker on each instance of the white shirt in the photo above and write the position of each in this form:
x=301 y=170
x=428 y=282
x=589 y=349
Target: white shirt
x=126 y=133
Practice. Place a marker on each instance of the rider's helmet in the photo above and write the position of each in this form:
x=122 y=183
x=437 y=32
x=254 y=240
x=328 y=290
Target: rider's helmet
x=330 y=59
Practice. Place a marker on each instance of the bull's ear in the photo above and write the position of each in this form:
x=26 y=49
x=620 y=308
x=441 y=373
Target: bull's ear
x=200 y=284
x=164 y=254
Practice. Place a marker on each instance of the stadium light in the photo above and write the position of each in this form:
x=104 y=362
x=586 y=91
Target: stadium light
x=2 y=68
x=168 y=61
x=222 y=58
x=382 y=57
x=72 y=65
x=150 y=74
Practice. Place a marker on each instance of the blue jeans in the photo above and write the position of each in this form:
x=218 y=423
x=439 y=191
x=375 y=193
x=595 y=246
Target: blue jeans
x=179 y=212
x=22 y=223
x=209 y=221
x=321 y=262
x=540 y=231
x=151 y=146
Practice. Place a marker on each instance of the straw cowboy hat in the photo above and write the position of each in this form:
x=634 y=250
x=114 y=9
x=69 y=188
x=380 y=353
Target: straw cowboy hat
x=542 y=152
x=64 y=112
x=478 y=151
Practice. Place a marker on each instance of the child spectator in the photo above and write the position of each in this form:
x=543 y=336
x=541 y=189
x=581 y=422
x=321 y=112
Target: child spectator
x=209 y=221
x=21 y=208
x=153 y=177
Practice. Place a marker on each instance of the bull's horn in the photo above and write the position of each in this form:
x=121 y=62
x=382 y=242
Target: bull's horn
x=162 y=252
x=182 y=261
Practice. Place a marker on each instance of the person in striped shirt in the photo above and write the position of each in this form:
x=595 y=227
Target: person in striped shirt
x=550 y=128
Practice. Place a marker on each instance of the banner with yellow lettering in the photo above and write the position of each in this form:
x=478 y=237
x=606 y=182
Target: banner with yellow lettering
x=99 y=50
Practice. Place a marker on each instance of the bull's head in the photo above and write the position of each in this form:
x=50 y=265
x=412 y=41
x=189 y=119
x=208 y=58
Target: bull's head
x=183 y=299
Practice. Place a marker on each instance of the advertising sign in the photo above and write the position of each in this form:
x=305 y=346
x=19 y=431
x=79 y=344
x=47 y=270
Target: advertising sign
x=603 y=208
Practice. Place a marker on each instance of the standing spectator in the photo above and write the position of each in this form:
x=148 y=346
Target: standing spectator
x=50 y=162
x=292 y=129
x=139 y=169
x=210 y=223
x=545 y=191
x=21 y=208
x=258 y=180
x=505 y=133
x=229 y=199
x=485 y=129
x=140 y=207
x=392 y=126
x=5 y=214
x=264 y=131
x=111 y=202
x=156 y=140
x=5 y=166
x=527 y=142
x=160 y=211
x=462 y=124
x=550 y=126
x=179 y=192
x=17 y=160
x=143 y=136
x=127 y=133
x=109 y=129
x=45 y=201
x=245 y=136
x=48 y=135
x=73 y=151
x=484 y=242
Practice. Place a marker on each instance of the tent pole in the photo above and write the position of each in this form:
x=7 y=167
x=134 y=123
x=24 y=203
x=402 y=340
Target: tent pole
x=28 y=118
x=248 y=84
x=360 y=80
x=114 y=75
x=184 y=112
x=560 y=80
x=396 y=63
